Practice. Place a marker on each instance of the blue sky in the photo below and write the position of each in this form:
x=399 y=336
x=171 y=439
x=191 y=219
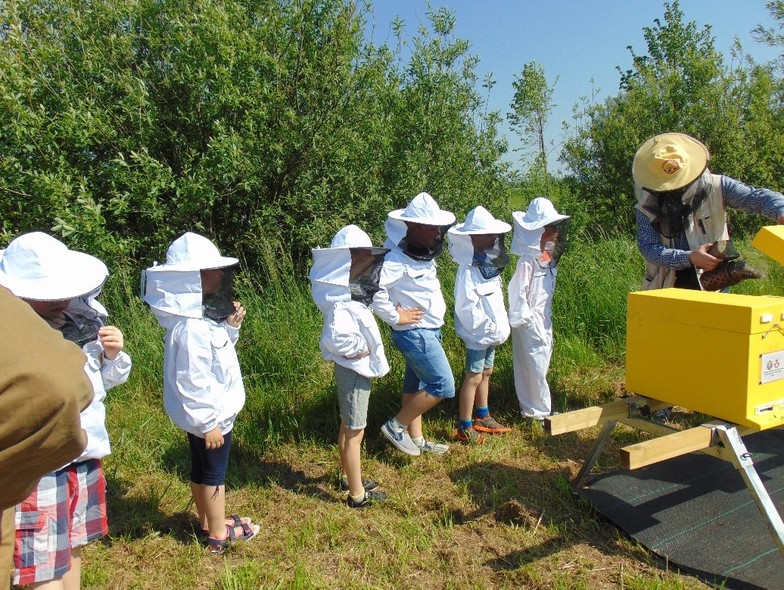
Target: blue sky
x=577 y=41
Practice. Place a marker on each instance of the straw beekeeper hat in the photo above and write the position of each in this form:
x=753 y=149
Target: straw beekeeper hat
x=669 y=161
x=480 y=221
x=39 y=267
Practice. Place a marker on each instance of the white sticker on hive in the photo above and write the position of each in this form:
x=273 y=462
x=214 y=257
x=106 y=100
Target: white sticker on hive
x=766 y=318
x=772 y=368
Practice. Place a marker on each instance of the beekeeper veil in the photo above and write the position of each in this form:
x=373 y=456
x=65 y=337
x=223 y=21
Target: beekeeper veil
x=480 y=242
x=39 y=267
x=195 y=281
x=419 y=229
x=349 y=269
x=530 y=227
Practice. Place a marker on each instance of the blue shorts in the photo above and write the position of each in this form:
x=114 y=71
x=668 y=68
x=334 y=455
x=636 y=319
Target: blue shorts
x=208 y=466
x=426 y=364
x=479 y=360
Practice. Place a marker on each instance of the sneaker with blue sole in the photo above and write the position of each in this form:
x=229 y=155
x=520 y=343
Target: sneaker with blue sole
x=400 y=438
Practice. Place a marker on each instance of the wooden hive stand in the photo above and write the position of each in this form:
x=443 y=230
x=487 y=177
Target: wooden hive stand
x=719 y=439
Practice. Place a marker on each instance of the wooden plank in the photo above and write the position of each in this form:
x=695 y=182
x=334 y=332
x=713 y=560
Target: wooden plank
x=596 y=415
x=585 y=418
x=666 y=447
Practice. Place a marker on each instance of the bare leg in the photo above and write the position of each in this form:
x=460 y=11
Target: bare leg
x=349 y=447
x=482 y=391
x=213 y=499
x=201 y=509
x=469 y=391
x=72 y=578
x=414 y=405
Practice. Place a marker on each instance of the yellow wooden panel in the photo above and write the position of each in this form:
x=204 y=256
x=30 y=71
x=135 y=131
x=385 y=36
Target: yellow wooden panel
x=770 y=240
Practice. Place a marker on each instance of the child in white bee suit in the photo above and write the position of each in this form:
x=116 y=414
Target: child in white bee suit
x=67 y=509
x=480 y=315
x=191 y=296
x=539 y=235
x=344 y=278
x=411 y=302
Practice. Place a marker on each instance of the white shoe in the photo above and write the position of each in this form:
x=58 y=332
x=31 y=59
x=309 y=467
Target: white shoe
x=400 y=439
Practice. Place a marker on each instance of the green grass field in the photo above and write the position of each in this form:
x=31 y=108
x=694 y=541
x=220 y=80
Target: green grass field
x=497 y=516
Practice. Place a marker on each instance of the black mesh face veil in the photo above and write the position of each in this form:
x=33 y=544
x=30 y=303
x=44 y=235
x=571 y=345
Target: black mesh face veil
x=490 y=256
x=365 y=273
x=423 y=242
x=81 y=323
x=218 y=292
x=671 y=209
x=560 y=241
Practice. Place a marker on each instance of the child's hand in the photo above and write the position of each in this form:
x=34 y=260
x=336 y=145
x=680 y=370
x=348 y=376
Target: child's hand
x=111 y=339
x=408 y=316
x=213 y=439
x=235 y=319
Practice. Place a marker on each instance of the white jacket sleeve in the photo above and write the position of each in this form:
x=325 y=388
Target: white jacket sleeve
x=519 y=288
x=234 y=333
x=383 y=305
x=195 y=381
x=343 y=337
x=469 y=309
x=115 y=371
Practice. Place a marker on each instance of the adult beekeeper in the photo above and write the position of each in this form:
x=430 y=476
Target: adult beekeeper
x=681 y=210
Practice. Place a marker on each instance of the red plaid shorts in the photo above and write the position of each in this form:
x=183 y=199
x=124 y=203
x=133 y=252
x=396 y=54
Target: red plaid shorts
x=66 y=511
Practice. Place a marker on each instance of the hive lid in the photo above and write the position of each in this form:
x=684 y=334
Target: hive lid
x=770 y=240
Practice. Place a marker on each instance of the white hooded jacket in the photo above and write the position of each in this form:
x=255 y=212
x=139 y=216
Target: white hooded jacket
x=406 y=281
x=480 y=315
x=350 y=336
x=202 y=382
x=37 y=266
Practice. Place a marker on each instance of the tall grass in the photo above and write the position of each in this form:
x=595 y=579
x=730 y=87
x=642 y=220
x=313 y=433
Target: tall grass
x=284 y=464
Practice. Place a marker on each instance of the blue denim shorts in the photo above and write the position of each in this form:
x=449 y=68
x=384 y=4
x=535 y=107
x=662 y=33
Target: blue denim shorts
x=426 y=364
x=479 y=360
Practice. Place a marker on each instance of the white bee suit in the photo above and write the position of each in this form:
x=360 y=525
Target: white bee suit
x=350 y=330
x=530 y=298
x=480 y=314
x=202 y=383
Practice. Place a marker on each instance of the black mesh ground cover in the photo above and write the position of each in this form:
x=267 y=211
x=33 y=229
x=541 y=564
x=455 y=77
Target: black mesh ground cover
x=696 y=511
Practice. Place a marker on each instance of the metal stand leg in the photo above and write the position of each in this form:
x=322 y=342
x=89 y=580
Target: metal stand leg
x=595 y=452
x=741 y=458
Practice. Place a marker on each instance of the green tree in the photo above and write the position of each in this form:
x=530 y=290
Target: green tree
x=265 y=125
x=531 y=108
x=680 y=84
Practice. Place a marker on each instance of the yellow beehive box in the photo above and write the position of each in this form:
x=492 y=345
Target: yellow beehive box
x=770 y=240
x=720 y=354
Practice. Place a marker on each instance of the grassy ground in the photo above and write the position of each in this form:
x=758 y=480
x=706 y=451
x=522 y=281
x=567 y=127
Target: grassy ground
x=497 y=516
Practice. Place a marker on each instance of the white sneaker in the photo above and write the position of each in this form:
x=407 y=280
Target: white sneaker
x=432 y=447
x=400 y=439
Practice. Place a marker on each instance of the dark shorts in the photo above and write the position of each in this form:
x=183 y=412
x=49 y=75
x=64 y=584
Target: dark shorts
x=208 y=467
